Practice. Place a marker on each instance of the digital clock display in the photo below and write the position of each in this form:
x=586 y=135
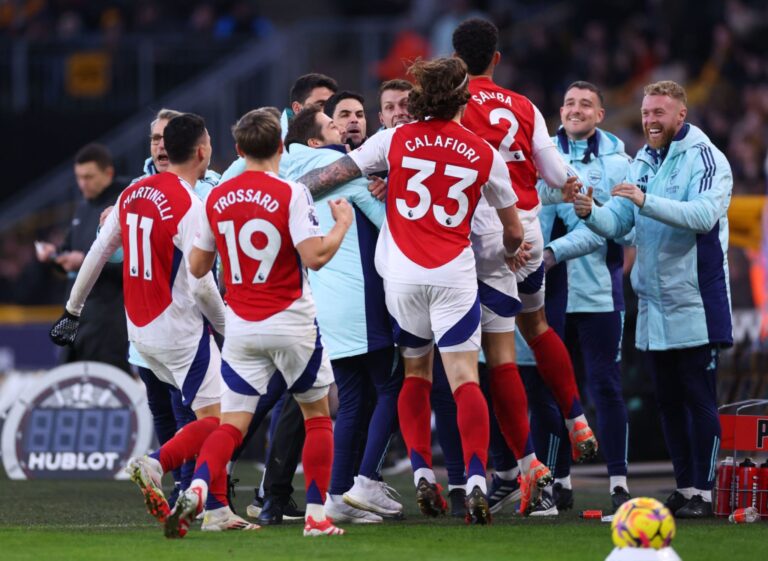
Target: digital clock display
x=78 y=430
x=81 y=420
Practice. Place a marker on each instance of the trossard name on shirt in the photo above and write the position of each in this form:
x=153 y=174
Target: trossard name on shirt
x=246 y=196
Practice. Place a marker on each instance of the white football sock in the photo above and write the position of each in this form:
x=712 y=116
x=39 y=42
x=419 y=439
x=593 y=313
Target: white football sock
x=706 y=495
x=426 y=473
x=525 y=463
x=509 y=474
x=316 y=511
x=476 y=481
x=565 y=482
x=156 y=464
x=618 y=481
x=686 y=492
x=203 y=487
x=571 y=422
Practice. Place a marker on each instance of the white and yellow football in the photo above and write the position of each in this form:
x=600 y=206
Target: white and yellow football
x=643 y=522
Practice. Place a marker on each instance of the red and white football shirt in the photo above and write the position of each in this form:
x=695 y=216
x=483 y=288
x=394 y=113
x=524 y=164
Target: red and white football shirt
x=438 y=171
x=255 y=220
x=158 y=218
x=514 y=126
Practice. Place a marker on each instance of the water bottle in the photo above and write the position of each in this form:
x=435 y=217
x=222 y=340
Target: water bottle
x=747 y=475
x=744 y=515
x=725 y=497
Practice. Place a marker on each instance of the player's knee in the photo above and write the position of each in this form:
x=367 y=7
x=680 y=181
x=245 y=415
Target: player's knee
x=532 y=324
x=314 y=402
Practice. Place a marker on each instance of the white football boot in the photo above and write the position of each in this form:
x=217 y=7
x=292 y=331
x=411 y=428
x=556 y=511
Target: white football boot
x=338 y=511
x=221 y=519
x=373 y=496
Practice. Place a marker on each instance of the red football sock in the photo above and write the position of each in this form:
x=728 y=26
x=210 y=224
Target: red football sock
x=415 y=413
x=186 y=443
x=555 y=366
x=212 y=462
x=317 y=458
x=474 y=428
x=510 y=404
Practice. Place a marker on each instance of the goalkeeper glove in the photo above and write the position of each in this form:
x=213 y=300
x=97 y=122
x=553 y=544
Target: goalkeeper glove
x=64 y=331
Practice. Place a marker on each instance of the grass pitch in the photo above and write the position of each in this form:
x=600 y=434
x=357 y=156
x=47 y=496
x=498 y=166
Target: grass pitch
x=95 y=520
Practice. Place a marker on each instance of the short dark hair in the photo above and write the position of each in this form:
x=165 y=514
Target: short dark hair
x=582 y=85
x=476 y=41
x=181 y=136
x=95 y=152
x=257 y=133
x=397 y=84
x=440 y=90
x=303 y=127
x=303 y=86
x=335 y=99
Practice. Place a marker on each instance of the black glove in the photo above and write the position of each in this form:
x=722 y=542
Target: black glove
x=64 y=331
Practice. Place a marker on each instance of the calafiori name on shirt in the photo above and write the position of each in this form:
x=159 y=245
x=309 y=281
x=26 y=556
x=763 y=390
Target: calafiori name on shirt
x=153 y=195
x=246 y=196
x=483 y=96
x=440 y=141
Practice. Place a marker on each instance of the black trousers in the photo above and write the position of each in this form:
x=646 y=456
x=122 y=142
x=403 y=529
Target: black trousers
x=284 y=451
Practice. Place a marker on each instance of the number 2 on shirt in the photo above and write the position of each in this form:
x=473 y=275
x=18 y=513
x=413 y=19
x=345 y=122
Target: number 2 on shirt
x=505 y=147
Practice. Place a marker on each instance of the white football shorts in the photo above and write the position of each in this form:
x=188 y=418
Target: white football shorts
x=530 y=279
x=250 y=361
x=196 y=371
x=424 y=314
x=497 y=284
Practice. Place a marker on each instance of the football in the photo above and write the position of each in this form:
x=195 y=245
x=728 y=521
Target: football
x=643 y=522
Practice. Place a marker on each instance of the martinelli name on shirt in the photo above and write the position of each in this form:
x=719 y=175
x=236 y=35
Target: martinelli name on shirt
x=439 y=141
x=246 y=196
x=153 y=195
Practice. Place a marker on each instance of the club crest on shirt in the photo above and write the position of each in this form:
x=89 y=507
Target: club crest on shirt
x=594 y=176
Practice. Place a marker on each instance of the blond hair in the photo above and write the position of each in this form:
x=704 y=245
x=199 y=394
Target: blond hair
x=164 y=115
x=668 y=88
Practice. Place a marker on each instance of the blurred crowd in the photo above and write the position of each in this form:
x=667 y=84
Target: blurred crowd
x=70 y=19
x=715 y=47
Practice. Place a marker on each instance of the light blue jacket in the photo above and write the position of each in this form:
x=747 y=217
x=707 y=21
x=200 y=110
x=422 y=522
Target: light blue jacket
x=595 y=265
x=235 y=168
x=681 y=234
x=348 y=293
x=238 y=166
x=202 y=188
